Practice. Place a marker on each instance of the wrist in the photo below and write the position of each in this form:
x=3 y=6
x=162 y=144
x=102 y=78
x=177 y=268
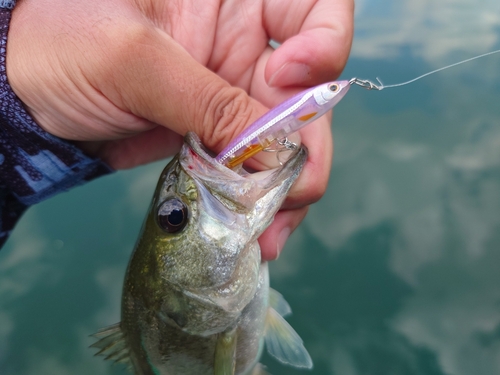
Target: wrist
x=34 y=165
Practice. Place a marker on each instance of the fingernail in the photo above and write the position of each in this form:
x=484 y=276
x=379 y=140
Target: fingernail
x=291 y=74
x=282 y=237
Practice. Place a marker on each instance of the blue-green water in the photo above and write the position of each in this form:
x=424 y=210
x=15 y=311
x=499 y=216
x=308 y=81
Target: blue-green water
x=396 y=271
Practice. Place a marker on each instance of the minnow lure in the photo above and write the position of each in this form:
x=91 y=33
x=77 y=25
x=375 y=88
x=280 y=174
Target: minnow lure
x=297 y=112
x=285 y=119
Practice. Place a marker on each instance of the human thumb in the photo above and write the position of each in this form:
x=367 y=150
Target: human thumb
x=154 y=78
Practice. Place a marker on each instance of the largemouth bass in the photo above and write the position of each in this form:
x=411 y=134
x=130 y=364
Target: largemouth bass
x=196 y=297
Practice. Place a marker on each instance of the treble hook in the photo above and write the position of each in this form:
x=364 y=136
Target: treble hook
x=284 y=145
x=366 y=84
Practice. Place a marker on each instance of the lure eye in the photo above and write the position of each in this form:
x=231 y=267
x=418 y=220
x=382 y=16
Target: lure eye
x=333 y=87
x=172 y=215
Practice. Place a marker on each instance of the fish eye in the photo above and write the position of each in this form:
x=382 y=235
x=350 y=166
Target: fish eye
x=333 y=87
x=172 y=215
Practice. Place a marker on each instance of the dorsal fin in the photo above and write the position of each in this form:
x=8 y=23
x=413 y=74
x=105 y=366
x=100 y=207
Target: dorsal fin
x=283 y=343
x=112 y=344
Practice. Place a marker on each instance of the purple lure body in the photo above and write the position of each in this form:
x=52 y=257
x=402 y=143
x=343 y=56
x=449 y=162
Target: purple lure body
x=283 y=120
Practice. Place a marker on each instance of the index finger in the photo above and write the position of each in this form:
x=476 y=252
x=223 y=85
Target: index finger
x=316 y=37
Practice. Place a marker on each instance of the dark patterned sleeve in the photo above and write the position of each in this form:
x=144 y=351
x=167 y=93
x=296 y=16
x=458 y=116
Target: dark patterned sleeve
x=34 y=165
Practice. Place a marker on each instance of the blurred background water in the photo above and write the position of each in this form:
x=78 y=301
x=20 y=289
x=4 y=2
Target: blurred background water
x=394 y=272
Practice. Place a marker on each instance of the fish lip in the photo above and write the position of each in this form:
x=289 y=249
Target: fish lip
x=240 y=188
x=194 y=143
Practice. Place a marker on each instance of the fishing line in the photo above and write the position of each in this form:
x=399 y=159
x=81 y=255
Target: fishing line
x=298 y=111
x=372 y=86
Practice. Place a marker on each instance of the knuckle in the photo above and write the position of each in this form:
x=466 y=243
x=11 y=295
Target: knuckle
x=228 y=112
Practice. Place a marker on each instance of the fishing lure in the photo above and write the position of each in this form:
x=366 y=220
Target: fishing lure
x=269 y=133
x=281 y=121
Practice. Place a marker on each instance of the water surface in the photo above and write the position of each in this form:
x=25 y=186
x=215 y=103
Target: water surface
x=394 y=272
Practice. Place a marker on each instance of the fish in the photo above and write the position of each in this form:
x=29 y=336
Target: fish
x=196 y=296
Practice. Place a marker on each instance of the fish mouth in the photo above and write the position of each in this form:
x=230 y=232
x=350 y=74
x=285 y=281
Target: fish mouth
x=237 y=189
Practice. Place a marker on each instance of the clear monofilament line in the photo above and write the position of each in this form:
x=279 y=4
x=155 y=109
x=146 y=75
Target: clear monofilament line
x=382 y=86
x=369 y=85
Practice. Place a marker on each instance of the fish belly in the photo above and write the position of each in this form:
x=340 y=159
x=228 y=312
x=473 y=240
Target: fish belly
x=159 y=348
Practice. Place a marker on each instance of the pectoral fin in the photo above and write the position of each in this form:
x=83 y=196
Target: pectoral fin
x=277 y=302
x=112 y=344
x=225 y=353
x=284 y=343
x=259 y=370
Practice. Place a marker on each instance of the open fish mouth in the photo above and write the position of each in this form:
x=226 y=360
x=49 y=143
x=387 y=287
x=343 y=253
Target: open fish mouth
x=237 y=189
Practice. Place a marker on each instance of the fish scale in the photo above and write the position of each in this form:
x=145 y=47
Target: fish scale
x=196 y=297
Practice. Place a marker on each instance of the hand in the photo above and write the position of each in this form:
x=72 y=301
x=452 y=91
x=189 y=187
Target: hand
x=127 y=78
